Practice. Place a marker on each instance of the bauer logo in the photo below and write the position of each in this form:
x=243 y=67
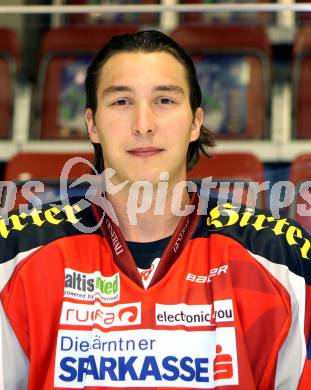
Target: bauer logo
x=88 y=286
x=144 y=358
x=195 y=315
x=103 y=316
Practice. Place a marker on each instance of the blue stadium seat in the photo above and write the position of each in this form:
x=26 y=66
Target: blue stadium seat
x=58 y=109
x=233 y=64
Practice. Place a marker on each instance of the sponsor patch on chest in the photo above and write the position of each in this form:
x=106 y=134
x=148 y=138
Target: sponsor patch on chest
x=88 y=286
x=207 y=278
x=152 y=358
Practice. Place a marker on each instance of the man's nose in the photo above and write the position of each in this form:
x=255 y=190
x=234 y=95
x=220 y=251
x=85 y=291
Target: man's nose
x=144 y=120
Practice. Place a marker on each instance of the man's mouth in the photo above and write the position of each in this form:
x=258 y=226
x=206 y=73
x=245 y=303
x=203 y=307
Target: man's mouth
x=145 y=151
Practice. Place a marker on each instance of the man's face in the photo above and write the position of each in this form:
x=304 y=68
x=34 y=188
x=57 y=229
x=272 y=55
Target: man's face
x=143 y=120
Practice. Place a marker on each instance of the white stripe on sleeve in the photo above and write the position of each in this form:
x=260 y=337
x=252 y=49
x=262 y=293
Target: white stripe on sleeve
x=293 y=352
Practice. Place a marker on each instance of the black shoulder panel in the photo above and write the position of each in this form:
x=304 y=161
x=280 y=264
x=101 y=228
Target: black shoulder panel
x=281 y=241
x=27 y=230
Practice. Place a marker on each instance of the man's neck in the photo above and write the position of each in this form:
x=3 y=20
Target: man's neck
x=140 y=223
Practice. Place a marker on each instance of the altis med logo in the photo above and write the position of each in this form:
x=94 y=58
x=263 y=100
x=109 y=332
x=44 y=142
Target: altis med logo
x=148 y=358
x=88 y=286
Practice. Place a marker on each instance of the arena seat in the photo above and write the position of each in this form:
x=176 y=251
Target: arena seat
x=139 y=19
x=43 y=167
x=9 y=64
x=225 y=17
x=303 y=17
x=58 y=109
x=233 y=64
x=230 y=168
x=301 y=83
x=300 y=176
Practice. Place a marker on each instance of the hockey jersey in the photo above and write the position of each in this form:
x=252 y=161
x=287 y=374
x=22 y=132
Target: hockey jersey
x=228 y=305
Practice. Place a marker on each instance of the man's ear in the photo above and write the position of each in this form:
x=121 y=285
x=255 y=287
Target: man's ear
x=91 y=126
x=197 y=123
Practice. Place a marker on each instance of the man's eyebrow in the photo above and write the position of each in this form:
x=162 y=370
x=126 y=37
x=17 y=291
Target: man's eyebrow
x=117 y=88
x=160 y=88
x=169 y=88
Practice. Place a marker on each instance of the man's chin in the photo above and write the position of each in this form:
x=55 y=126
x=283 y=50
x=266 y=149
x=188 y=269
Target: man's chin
x=145 y=180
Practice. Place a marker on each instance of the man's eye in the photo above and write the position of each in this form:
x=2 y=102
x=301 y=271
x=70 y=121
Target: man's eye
x=166 y=100
x=121 y=102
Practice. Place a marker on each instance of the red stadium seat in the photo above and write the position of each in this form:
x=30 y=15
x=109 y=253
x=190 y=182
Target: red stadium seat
x=233 y=65
x=302 y=83
x=300 y=176
x=44 y=167
x=58 y=110
x=244 y=168
x=115 y=18
x=225 y=17
x=9 y=64
x=302 y=17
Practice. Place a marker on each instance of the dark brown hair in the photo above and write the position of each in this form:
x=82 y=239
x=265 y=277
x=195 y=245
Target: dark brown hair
x=148 y=41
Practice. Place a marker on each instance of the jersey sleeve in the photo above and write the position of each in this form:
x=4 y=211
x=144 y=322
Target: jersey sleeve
x=21 y=234
x=283 y=248
x=305 y=380
x=14 y=364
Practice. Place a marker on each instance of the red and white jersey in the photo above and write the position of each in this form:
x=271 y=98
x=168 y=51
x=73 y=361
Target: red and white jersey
x=227 y=306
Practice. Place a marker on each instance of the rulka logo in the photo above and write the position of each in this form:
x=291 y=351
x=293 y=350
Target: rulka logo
x=103 y=316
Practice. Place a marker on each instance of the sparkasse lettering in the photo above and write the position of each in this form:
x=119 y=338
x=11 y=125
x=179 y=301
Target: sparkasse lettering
x=144 y=357
x=121 y=369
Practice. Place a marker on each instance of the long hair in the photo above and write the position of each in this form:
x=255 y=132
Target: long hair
x=148 y=42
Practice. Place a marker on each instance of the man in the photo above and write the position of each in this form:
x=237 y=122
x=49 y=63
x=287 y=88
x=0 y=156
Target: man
x=161 y=297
